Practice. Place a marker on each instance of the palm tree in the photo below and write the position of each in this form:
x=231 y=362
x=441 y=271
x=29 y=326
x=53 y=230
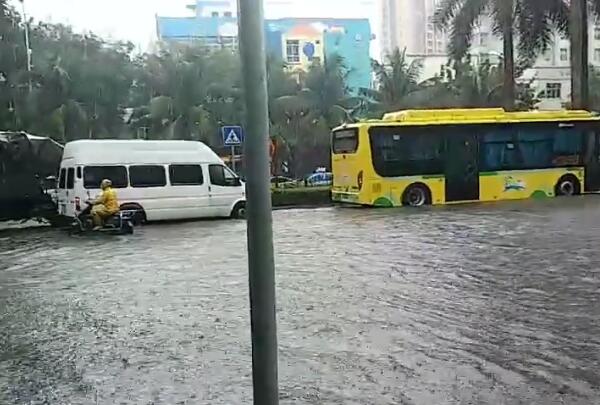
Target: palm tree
x=397 y=79
x=533 y=19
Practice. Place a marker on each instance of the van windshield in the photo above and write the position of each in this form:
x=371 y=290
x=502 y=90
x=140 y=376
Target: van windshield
x=93 y=175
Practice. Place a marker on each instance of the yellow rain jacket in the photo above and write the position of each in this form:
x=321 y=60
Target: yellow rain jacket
x=108 y=198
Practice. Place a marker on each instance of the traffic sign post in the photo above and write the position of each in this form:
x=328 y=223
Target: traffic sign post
x=232 y=136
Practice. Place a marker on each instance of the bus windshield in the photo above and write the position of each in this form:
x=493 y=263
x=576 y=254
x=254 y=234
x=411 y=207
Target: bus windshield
x=345 y=141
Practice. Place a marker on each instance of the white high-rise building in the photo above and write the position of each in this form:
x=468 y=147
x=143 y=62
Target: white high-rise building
x=408 y=24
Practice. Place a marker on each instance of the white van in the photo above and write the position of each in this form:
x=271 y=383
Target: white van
x=162 y=180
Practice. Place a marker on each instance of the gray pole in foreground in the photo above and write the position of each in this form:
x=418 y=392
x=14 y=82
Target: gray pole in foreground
x=258 y=190
x=27 y=44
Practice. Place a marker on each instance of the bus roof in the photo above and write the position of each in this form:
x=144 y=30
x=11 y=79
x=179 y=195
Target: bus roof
x=112 y=151
x=474 y=116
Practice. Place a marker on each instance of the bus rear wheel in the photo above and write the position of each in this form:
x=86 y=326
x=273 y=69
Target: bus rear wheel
x=567 y=185
x=416 y=195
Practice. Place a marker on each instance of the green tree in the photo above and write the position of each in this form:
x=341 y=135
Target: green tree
x=397 y=80
x=534 y=19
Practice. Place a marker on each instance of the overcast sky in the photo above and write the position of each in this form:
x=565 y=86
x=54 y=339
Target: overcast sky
x=134 y=19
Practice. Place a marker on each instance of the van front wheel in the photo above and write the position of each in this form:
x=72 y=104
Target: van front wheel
x=239 y=211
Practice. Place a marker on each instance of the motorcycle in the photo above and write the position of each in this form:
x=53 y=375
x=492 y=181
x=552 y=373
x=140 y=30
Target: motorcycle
x=121 y=223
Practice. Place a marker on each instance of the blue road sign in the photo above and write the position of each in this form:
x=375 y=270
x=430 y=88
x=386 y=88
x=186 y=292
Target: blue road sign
x=232 y=136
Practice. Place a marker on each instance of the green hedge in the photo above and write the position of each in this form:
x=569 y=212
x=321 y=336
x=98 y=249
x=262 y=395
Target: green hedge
x=291 y=197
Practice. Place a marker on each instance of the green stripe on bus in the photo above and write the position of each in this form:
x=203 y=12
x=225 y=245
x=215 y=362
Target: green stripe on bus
x=433 y=176
x=488 y=173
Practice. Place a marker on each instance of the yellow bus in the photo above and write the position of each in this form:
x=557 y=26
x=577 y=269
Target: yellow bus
x=422 y=157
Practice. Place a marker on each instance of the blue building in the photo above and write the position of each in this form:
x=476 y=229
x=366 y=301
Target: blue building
x=297 y=41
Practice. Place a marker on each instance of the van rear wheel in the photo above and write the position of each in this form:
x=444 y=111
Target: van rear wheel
x=139 y=218
x=239 y=211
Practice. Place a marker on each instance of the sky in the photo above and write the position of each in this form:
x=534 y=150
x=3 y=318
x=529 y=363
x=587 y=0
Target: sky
x=133 y=20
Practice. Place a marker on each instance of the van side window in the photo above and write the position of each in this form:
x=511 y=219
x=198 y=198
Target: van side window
x=93 y=176
x=147 y=176
x=78 y=172
x=222 y=176
x=70 y=178
x=186 y=175
x=62 y=178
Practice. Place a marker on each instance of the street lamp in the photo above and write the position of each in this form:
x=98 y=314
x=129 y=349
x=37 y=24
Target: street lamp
x=27 y=44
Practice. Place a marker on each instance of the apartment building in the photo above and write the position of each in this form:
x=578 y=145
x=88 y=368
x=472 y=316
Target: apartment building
x=408 y=24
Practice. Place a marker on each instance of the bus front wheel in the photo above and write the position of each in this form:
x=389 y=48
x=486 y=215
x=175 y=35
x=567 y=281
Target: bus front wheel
x=567 y=185
x=416 y=195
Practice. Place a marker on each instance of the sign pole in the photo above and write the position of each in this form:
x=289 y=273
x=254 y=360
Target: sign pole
x=233 y=158
x=258 y=190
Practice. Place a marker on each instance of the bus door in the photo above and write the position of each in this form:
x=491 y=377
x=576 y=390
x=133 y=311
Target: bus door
x=462 y=166
x=592 y=160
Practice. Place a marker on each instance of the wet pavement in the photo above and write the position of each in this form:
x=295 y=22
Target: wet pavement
x=485 y=304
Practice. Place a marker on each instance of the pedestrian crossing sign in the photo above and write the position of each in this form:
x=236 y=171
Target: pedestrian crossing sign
x=232 y=136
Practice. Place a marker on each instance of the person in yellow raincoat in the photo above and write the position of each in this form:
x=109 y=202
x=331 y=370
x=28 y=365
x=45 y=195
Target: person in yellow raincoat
x=105 y=205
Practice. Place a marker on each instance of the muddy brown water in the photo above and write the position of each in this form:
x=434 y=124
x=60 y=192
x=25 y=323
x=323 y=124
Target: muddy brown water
x=483 y=304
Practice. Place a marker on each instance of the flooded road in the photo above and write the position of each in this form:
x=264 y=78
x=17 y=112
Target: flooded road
x=488 y=304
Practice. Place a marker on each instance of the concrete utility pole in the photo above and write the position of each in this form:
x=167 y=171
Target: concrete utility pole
x=27 y=44
x=258 y=190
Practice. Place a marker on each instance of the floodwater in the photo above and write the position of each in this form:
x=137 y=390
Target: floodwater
x=484 y=304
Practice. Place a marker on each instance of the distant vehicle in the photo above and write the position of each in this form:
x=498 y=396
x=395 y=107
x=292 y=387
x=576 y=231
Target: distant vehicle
x=283 y=182
x=161 y=180
x=434 y=157
x=319 y=178
x=28 y=168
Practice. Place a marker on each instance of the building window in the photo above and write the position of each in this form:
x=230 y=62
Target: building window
x=564 y=54
x=292 y=51
x=215 y=14
x=553 y=90
x=597 y=33
x=597 y=54
x=228 y=14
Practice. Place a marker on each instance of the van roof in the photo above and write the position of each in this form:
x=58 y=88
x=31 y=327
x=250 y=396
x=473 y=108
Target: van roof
x=138 y=152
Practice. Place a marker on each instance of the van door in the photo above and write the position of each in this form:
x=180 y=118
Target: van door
x=224 y=190
x=189 y=191
x=70 y=192
x=61 y=193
